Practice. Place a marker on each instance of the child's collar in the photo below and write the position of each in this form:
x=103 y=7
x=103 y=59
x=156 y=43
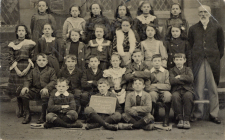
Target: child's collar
x=49 y=39
x=160 y=69
x=140 y=93
x=65 y=93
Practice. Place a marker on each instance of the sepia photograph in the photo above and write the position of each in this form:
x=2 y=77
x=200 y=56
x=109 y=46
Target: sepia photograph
x=112 y=70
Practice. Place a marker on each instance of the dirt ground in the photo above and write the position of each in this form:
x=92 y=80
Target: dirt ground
x=11 y=128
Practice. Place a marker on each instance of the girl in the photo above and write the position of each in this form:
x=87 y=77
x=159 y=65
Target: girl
x=100 y=47
x=152 y=45
x=175 y=18
x=20 y=54
x=75 y=21
x=38 y=20
x=75 y=47
x=177 y=43
x=49 y=45
x=115 y=76
x=125 y=41
x=121 y=11
x=96 y=18
x=145 y=16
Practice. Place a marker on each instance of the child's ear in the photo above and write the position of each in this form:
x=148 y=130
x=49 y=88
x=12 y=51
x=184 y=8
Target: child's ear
x=55 y=86
x=185 y=60
x=67 y=87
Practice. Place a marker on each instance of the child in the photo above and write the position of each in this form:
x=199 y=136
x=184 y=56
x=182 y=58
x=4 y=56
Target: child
x=152 y=45
x=20 y=55
x=89 y=79
x=125 y=40
x=75 y=21
x=39 y=84
x=73 y=75
x=145 y=16
x=96 y=18
x=121 y=11
x=116 y=79
x=104 y=120
x=40 y=19
x=100 y=47
x=181 y=79
x=138 y=69
x=138 y=106
x=61 y=107
x=177 y=43
x=50 y=46
x=160 y=90
x=75 y=47
x=175 y=18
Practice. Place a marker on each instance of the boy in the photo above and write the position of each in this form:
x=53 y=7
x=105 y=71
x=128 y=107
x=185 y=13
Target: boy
x=160 y=90
x=181 y=79
x=89 y=79
x=138 y=69
x=100 y=47
x=104 y=120
x=74 y=75
x=61 y=107
x=138 y=106
x=40 y=82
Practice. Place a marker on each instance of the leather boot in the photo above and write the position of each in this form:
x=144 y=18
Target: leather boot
x=92 y=126
x=42 y=119
x=19 y=108
x=167 y=113
x=112 y=127
x=26 y=108
x=156 y=111
x=122 y=126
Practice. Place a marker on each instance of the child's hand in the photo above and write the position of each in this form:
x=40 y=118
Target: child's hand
x=24 y=90
x=146 y=70
x=31 y=63
x=65 y=106
x=90 y=82
x=177 y=77
x=113 y=91
x=133 y=72
x=18 y=72
x=44 y=91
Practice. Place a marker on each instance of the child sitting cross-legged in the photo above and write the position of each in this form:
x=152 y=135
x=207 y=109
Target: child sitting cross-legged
x=95 y=119
x=61 y=107
x=138 y=106
x=181 y=79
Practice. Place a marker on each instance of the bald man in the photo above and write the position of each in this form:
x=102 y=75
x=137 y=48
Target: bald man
x=207 y=42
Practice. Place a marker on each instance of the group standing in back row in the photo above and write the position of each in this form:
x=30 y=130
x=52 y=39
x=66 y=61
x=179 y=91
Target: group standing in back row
x=131 y=54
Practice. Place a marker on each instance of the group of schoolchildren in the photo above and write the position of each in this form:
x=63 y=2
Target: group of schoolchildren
x=125 y=59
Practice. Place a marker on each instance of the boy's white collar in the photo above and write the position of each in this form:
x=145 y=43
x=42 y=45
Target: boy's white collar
x=65 y=93
x=140 y=93
x=160 y=69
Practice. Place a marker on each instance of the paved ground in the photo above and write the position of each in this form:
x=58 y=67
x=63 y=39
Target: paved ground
x=11 y=128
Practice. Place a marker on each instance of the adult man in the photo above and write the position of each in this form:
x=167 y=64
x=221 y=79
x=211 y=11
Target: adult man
x=207 y=42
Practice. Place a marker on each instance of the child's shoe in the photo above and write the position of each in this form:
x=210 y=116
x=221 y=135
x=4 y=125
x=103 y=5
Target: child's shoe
x=92 y=126
x=149 y=127
x=76 y=125
x=111 y=127
x=122 y=126
x=180 y=124
x=187 y=125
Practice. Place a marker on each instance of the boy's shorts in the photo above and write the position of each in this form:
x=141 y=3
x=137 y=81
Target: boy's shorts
x=34 y=94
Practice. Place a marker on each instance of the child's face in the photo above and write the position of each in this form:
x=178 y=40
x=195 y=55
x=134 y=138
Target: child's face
x=42 y=7
x=179 y=62
x=41 y=61
x=175 y=10
x=70 y=63
x=95 y=9
x=146 y=8
x=157 y=62
x=115 y=61
x=103 y=88
x=122 y=11
x=99 y=33
x=61 y=87
x=125 y=26
x=150 y=32
x=94 y=62
x=21 y=32
x=47 y=30
x=175 y=32
x=74 y=12
x=137 y=57
x=74 y=36
x=138 y=86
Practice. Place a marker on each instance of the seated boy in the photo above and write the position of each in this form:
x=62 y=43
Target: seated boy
x=89 y=80
x=138 y=69
x=105 y=120
x=160 y=90
x=62 y=107
x=40 y=82
x=181 y=79
x=74 y=75
x=138 y=106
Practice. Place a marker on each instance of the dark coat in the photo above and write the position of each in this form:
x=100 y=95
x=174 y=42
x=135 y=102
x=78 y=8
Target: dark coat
x=207 y=44
x=184 y=82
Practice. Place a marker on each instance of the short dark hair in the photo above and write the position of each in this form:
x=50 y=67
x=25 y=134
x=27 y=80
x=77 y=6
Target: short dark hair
x=27 y=36
x=72 y=56
x=79 y=8
x=138 y=79
x=62 y=79
x=156 y=56
x=116 y=54
x=179 y=55
x=103 y=81
x=128 y=14
x=43 y=55
x=128 y=19
x=74 y=30
x=94 y=56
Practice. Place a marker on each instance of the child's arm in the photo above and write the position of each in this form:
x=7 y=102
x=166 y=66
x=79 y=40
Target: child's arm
x=87 y=52
x=187 y=78
x=166 y=85
x=52 y=80
x=84 y=81
x=52 y=107
x=65 y=30
x=128 y=74
x=148 y=105
x=163 y=53
x=128 y=106
x=173 y=80
x=118 y=107
x=72 y=106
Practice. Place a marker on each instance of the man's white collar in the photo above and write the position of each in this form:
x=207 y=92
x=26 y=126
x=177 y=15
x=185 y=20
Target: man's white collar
x=160 y=69
x=140 y=93
x=65 y=93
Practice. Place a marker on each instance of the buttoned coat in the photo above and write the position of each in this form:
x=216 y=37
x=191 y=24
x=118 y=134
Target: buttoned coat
x=207 y=44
